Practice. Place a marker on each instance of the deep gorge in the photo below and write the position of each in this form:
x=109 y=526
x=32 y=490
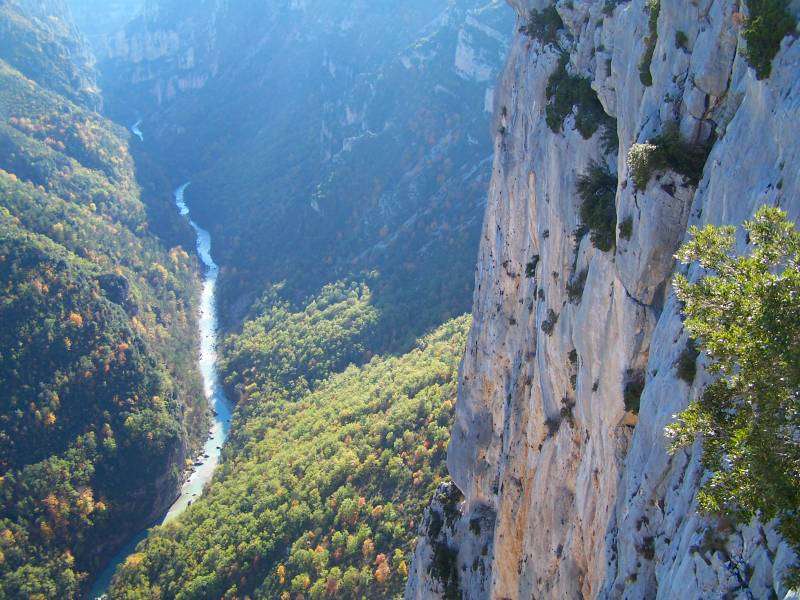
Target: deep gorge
x=455 y=299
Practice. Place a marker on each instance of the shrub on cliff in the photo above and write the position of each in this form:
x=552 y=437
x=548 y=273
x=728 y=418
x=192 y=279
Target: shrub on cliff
x=598 y=189
x=769 y=22
x=567 y=92
x=667 y=151
x=745 y=313
x=544 y=25
x=654 y=8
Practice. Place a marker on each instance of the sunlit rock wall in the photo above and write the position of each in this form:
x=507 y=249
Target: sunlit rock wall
x=583 y=497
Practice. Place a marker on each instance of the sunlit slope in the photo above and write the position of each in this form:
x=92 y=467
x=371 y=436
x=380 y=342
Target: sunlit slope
x=320 y=494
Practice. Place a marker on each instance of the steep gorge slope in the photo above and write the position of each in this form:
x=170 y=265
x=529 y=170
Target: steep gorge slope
x=570 y=373
x=99 y=396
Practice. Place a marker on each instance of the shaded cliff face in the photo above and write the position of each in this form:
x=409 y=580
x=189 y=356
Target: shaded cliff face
x=567 y=493
x=325 y=140
x=99 y=19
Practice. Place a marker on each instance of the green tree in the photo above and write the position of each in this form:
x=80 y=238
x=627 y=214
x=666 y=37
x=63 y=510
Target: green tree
x=745 y=313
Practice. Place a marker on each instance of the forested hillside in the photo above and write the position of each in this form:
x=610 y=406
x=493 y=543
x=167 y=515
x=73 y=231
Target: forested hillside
x=321 y=491
x=325 y=140
x=99 y=397
x=38 y=39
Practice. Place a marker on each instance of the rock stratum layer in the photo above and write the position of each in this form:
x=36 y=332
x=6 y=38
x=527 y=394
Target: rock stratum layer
x=567 y=494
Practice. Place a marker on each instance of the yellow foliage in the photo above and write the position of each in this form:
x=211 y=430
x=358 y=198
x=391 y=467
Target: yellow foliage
x=86 y=502
x=76 y=319
x=51 y=502
x=402 y=568
x=158 y=273
x=368 y=548
x=134 y=560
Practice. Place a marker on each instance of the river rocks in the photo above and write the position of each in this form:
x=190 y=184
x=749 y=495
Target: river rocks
x=586 y=501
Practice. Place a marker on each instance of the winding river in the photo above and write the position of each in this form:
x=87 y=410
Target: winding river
x=137 y=131
x=218 y=402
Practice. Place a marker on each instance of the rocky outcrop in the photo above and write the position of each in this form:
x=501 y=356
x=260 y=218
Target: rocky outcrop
x=568 y=339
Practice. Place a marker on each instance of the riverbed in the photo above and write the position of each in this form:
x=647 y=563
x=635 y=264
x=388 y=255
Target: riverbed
x=219 y=404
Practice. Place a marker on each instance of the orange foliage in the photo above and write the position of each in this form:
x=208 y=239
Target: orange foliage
x=382 y=573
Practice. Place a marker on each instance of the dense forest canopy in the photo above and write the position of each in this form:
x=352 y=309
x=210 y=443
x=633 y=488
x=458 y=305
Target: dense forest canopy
x=322 y=490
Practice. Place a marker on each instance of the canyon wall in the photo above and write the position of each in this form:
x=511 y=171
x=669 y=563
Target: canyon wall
x=566 y=493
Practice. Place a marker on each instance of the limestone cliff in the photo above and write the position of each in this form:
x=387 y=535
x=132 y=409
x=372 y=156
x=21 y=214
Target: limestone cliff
x=566 y=493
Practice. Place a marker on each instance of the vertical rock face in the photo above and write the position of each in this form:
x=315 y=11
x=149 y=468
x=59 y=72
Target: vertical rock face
x=579 y=496
x=99 y=19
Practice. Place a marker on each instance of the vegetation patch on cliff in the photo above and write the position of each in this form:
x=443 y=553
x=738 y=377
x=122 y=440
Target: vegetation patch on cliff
x=667 y=151
x=598 y=190
x=634 y=386
x=768 y=23
x=544 y=25
x=567 y=92
x=654 y=9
